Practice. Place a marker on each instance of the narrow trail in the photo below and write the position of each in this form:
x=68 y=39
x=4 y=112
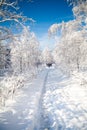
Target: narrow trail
x=26 y=112
x=51 y=102
x=40 y=125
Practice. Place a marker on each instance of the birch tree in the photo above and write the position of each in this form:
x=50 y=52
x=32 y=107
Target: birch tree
x=11 y=15
x=25 y=51
x=70 y=52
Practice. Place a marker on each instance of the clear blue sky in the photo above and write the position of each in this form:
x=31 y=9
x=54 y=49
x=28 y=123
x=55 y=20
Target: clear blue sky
x=46 y=13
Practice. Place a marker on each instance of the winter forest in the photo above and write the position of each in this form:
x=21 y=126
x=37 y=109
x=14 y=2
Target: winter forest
x=43 y=88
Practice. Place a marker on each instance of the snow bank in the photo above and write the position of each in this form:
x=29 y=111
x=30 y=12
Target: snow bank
x=10 y=84
x=23 y=113
x=65 y=102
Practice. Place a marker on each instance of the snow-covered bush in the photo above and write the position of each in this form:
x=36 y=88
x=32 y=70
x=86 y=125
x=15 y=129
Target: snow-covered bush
x=9 y=85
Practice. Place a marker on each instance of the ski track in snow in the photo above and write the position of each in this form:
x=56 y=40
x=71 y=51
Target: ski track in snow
x=49 y=103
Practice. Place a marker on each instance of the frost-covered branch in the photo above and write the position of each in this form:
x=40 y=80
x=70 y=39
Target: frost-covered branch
x=70 y=52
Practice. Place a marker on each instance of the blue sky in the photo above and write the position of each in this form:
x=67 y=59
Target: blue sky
x=46 y=13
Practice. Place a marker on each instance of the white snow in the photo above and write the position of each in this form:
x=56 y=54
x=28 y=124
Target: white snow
x=63 y=103
x=21 y=112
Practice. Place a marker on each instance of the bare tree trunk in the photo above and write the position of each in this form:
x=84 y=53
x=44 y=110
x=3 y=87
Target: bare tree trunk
x=78 y=65
x=21 y=68
x=78 y=57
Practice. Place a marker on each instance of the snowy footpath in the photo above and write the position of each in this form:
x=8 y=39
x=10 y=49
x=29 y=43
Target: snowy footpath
x=21 y=113
x=52 y=102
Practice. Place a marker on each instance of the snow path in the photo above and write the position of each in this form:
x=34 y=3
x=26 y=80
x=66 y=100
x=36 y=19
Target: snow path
x=40 y=110
x=22 y=114
x=52 y=102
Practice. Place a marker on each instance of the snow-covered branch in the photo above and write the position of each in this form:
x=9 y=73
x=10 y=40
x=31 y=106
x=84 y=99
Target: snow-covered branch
x=70 y=52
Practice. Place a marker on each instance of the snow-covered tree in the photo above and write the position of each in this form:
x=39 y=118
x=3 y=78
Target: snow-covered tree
x=25 y=51
x=24 y=48
x=79 y=9
x=11 y=15
x=47 y=56
x=70 y=51
x=2 y=55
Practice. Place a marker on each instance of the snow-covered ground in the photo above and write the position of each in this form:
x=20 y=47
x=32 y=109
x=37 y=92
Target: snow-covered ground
x=65 y=102
x=10 y=83
x=51 y=102
x=21 y=113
